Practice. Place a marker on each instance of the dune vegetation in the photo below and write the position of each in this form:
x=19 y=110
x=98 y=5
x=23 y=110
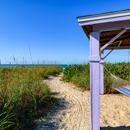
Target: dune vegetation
x=79 y=75
x=22 y=93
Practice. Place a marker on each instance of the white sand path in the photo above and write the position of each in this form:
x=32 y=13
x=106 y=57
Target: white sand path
x=73 y=111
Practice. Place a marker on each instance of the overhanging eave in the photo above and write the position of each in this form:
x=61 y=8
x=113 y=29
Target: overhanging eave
x=109 y=25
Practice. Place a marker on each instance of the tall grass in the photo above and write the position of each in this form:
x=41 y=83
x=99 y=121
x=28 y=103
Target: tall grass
x=22 y=92
x=80 y=75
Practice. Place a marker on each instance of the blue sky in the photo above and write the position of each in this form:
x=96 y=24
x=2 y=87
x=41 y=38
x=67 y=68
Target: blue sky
x=50 y=29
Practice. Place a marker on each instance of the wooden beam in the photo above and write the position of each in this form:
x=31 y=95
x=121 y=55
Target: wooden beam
x=112 y=40
x=95 y=80
x=104 y=20
x=111 y=26
x=102 y=74
x=104 y=39
x=117 y=47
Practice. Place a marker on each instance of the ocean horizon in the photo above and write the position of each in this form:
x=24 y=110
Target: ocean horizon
x=14 y=65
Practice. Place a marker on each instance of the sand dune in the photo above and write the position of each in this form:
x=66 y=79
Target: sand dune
x=73 y=111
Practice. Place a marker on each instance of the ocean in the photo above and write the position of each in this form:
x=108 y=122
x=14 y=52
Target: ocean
x=13 y=65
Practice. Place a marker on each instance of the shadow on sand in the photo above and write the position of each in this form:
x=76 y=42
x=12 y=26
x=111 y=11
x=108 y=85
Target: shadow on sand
x=116 y=128
x=49 y=120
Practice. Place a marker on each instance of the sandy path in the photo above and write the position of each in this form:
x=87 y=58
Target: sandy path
x=73 y=111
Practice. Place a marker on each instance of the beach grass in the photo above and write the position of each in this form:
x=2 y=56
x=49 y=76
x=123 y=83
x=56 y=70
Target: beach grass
x=22 y=93
x=80 y=75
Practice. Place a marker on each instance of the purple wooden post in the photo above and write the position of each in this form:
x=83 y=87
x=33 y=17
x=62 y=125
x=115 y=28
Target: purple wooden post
x=94 y=80
x=102 y=74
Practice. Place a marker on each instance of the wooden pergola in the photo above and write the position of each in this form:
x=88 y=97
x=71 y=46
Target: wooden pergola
x=106 y=31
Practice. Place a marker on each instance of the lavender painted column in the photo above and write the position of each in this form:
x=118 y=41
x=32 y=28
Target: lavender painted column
x=94 y=80
x=101 y=74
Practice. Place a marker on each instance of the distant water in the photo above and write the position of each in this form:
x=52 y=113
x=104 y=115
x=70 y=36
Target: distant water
x=13 y=65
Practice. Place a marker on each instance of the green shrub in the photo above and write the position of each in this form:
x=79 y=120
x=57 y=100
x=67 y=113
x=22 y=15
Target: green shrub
x=22 y=92
x=72 y=70
x=80 y=75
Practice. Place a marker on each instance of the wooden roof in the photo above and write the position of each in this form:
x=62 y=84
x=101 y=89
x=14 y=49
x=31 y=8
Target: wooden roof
x=109 y=25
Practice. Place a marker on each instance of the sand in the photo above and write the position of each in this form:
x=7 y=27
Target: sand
x=73 y=111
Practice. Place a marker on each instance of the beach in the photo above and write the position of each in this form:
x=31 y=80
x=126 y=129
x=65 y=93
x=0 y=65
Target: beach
x=73 y=109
